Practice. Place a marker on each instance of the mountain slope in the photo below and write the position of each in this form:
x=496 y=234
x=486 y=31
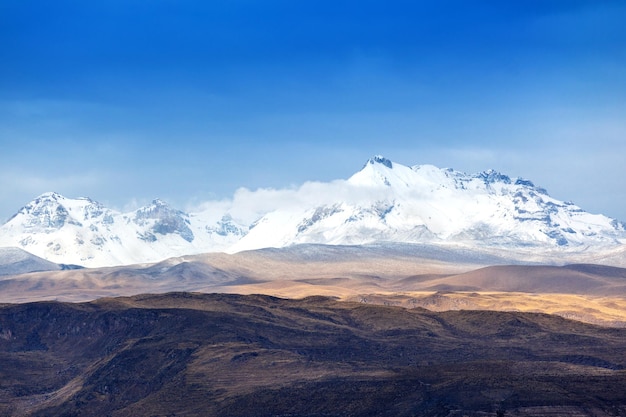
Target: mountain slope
x=14 y=261
x=383 y=202
x=228 y=355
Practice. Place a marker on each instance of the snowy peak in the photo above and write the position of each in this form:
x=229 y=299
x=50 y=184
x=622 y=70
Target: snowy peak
x=491 y=176
x=383 y=202
x=163 y=220
x=52 y=211
x=157 y=210
x=379 y=159
x=379 y=171
x=387 y=201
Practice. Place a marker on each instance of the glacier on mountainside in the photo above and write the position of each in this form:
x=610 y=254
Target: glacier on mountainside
x=384 y=202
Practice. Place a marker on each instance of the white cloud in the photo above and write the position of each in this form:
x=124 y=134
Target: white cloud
x=247 y=205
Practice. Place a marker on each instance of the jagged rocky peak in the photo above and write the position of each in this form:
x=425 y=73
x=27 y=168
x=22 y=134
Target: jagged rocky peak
x=379 y=170
x=522 y=182
x=158 y=210
x=46 y=211
x=53 y=199
x=154 y=210
x=53 y=210
x=379 y=159
x=48 y=199
x=166 y=220
x=491 y=176
x=94 y=210
x=50 y=195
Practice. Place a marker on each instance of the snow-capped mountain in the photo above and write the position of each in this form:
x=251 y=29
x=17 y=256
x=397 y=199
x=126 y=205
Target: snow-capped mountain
x=389 y=202
x=82 y=231
x=383 y=202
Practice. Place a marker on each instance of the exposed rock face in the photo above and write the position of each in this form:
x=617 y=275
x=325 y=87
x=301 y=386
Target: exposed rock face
x=163 y=220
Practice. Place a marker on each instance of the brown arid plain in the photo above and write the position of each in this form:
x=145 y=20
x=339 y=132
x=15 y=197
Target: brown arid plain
x=586 y=292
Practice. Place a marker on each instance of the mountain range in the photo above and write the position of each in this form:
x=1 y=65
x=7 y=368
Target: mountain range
x=385 y=202
x=450 y=285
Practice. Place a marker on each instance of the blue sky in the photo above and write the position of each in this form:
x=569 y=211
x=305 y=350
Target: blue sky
x=126 y=101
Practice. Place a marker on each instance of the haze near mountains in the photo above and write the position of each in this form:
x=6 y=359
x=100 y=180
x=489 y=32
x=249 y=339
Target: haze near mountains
x=383 y=203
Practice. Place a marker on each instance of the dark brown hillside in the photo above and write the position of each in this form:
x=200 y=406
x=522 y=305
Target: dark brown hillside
x=183 y=354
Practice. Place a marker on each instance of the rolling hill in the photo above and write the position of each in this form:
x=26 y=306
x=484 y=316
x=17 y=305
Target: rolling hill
x=231 y=355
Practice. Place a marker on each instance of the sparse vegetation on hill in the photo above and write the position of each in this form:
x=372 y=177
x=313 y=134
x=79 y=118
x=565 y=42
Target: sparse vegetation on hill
x=184 y=354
